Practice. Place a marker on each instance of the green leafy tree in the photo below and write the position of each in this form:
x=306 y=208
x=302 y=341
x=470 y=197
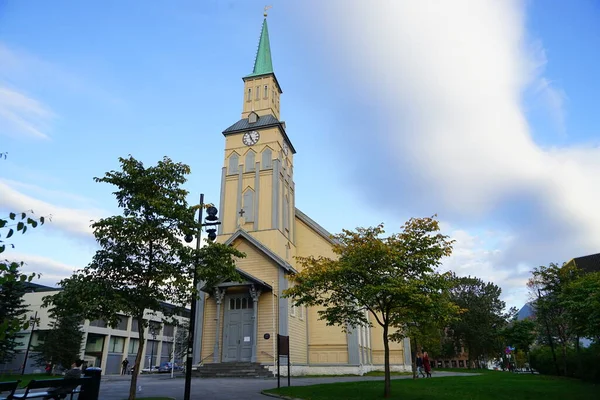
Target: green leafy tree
x=10 y=275
x=62 y=344
x=482 y=319
x=12 y=309
x=521 y=335
x=548 y=285
x=392 y=279
x=581 y=299
x=142 y=262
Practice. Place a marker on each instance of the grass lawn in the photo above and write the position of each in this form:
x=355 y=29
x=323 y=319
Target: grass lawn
x=490 y=385
x=27 y=377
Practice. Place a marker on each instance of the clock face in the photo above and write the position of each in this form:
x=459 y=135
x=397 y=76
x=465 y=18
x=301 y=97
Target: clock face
x=250 y=138
x=286 y=149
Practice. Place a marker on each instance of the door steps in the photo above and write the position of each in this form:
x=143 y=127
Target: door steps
x=232 y=370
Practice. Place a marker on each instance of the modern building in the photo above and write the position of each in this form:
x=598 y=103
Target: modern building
x=103 y=346
x=239 y=321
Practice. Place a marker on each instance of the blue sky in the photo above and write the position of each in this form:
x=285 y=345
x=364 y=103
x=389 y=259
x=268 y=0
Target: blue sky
x=483 y=112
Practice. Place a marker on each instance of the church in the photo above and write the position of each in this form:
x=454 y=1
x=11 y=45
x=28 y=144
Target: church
x=239 y=321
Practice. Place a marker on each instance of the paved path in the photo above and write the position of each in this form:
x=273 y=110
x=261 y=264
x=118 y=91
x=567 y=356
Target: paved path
x=117 y=388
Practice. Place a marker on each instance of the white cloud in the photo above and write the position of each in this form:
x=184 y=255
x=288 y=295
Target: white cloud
x=23 y=115
x=448 y=80
x=51 y=271
x=72 y=221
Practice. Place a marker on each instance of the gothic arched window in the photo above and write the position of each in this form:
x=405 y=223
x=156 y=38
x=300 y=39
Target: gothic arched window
x=234 y=162
x=250 y=157
x=248 y=205
x=267 y=159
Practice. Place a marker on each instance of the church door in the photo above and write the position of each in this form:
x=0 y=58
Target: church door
x=239 y=329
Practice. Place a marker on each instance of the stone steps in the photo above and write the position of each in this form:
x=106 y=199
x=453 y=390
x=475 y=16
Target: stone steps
x=233 y=370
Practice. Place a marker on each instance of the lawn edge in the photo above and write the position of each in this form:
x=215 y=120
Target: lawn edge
x=278 y=396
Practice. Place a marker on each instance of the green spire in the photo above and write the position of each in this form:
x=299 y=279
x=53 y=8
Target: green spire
x=263 y=64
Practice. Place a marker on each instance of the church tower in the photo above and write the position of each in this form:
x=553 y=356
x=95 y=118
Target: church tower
x=257 y=186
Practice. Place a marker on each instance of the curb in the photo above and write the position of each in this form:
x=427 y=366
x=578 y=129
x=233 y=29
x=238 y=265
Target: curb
x=278 y=396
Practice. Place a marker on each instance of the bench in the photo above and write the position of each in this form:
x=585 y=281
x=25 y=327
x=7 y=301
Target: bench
x=72 y=387
x=9 y=387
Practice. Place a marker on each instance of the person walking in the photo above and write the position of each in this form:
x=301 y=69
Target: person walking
x=124 y=364
x=426 y=364
x=419 y=363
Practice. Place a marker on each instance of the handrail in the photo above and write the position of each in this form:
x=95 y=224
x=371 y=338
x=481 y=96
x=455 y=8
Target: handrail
x=208 y=356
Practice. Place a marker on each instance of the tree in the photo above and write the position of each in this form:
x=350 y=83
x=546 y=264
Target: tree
x=181 y=340
x=478 y=327
x=521 y=335
x=581 y=299
x=393 y=279
x=61 y=345
x=548 y=284
x=142 y=261
x=9 y=276
x=12 y=309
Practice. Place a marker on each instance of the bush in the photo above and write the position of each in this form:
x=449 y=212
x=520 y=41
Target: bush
x=584 y=367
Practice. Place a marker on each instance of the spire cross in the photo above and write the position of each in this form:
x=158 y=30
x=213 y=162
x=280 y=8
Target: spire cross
x=266 y=9
x=242 y=212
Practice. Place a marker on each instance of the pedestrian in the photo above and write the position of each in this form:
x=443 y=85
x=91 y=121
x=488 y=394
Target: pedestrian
x=63 y=391
x=125 y=363
x=419 y=363
x=426 y=364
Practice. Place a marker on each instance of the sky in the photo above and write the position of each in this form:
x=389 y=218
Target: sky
x=482 y=112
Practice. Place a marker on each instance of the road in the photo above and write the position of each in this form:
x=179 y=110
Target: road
x=117 y=388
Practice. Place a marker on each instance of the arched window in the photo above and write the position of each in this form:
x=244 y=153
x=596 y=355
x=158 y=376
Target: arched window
x=266 y=91
x=234 y=162
x=267 y=159
x=248 y=205
x=249 y=94
x=286 y=213
x=250 y=157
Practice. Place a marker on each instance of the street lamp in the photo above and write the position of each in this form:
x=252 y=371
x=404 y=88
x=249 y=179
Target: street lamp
x=32 y=320
x=211 y=220
x=152 y=329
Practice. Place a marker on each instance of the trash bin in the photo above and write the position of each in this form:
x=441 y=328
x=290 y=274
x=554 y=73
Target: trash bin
x=90 y=390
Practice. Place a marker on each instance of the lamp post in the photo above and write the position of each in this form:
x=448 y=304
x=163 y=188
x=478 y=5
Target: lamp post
x=212 y=220
x=32 y=320
x=152 y=329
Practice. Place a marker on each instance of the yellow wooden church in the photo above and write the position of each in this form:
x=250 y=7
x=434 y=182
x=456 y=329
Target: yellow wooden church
x=240 y=321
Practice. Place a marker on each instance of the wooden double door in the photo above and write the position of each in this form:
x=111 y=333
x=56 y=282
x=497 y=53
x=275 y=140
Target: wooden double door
x=238 y=333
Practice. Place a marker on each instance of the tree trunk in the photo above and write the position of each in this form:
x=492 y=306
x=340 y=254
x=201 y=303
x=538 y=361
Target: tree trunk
x=413 y=356
x=387 y=390
x=579 y=363
x=138 y=359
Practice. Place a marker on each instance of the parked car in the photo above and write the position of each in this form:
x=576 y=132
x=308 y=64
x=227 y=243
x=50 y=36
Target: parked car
x=167 y=366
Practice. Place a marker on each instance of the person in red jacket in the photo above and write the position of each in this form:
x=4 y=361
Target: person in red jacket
x=426 y=364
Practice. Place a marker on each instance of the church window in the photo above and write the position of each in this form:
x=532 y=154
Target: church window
x=267 y=159
x=273 y=96
x=300 y=312
x=292 y=309
x=257 y=92
x=286 y=213
x=250 y=156
x=249 y=94
x=266 y=91
x=252 y=118
x=234 y=161
x=248 y=205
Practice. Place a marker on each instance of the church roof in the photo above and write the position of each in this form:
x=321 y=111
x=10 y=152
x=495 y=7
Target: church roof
x=256 y=243
x=264 y=121
x=589 y=263
x=248 y=279
x=316 y=227
x=263 y=63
